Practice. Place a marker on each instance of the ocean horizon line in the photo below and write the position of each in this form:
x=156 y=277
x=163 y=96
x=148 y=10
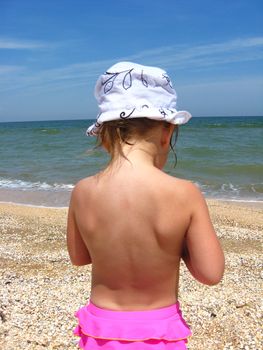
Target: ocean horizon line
x=90 y=118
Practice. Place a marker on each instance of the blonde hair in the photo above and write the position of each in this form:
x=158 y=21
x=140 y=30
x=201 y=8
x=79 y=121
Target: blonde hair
x=116 y=132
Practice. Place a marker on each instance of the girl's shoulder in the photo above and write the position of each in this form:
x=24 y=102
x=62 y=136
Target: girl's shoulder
x=83 y=187
x=183 y=184
x=184 y=190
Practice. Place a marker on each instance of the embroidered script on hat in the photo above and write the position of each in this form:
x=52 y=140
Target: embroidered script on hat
x=127 y=80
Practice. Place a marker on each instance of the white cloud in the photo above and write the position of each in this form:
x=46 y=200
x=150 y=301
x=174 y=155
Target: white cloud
x=57 y=78
x=7 y=69
x=7 y=43
x=184 y=56
x=181 y=58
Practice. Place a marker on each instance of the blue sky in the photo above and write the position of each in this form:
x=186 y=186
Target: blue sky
x=51 y=53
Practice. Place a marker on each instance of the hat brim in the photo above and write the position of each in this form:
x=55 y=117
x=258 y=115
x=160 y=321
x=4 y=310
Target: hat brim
x=171 y=116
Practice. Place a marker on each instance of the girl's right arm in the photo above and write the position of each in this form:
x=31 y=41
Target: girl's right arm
x=202 y=251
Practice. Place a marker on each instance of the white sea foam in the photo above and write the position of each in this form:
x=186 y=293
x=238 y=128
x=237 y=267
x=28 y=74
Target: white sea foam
x=26 y=185
x=233 y=192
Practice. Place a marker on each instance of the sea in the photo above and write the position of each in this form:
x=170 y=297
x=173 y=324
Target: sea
x=40 y=162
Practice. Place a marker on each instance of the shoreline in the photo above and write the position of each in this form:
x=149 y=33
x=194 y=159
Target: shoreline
x=41 y=290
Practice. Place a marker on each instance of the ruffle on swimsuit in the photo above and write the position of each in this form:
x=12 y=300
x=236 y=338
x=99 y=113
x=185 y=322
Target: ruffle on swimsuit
x=159 y=329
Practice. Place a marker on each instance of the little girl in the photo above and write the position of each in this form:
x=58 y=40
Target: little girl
x=134 y=223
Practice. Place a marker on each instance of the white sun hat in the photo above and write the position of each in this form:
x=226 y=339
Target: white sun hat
x=130 y=90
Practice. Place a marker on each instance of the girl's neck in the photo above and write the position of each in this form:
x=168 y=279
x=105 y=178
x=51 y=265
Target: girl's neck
x=139 y=154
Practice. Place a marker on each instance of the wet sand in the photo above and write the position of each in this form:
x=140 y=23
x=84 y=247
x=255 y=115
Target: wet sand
x=40 y=289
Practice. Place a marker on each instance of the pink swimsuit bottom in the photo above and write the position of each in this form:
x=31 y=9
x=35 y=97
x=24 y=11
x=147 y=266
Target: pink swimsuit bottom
x=159 y=329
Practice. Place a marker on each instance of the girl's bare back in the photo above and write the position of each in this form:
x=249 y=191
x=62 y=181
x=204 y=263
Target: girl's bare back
x=133 y=224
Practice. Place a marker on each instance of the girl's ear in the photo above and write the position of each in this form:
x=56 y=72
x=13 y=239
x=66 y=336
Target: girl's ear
x=167 y=132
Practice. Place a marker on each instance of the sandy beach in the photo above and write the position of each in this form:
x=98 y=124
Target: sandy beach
x=40 y=289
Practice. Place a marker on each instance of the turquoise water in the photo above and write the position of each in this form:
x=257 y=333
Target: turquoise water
x=41 y=161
